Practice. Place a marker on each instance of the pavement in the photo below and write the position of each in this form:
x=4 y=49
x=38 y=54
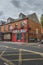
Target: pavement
x=20 y=43
x=21 y=54
x=38 y=44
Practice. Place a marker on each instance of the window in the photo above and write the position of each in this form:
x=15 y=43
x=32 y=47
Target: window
x=22 y=24
x=8 y=27
x=19 y=36
x=4 y=28
x=16 y=25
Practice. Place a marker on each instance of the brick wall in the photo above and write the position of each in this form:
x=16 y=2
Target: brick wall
x=33 y=26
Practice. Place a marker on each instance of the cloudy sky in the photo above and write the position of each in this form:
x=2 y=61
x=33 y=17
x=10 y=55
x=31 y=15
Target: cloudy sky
x=12 y=8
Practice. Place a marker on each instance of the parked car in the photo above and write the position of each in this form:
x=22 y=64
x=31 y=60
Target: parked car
x=42 y=41
x=32 y=39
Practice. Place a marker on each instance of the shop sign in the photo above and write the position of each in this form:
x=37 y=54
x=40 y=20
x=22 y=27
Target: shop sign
x=20 y=31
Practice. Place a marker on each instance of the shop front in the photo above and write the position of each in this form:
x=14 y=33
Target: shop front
x=7 y=36
x=19 y=35
x=1 y=36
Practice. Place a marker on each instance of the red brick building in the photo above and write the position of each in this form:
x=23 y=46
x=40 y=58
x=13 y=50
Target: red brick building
x=35 y=26
x=22 y=29
x=41 y=30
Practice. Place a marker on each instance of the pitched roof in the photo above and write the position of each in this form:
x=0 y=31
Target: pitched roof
x=10 y=19
x=21 y=15
x=33 y=17
x=2 y=22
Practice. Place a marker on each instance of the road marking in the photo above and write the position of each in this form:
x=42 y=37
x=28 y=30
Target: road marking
x=10 y=47
x=2 y=53
x=6 y=64
x=20 y=58
x=31 y=59
x=33 y=52
x=8 y=61
x=4 y=59
x=10 y=54
x=27 y=50
x=16 y=54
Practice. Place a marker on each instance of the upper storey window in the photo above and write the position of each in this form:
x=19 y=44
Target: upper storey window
x=16 y=25
x=22 y=24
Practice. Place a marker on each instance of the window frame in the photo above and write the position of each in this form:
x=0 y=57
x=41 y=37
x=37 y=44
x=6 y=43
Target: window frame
x=22 y=24
x=19 y=36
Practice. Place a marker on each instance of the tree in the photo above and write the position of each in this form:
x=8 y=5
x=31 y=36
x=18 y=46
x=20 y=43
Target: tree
x=41 y=20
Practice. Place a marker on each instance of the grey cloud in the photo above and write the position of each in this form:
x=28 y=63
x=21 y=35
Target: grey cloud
x=28 y=4
x=36 y=3
x=1 y=13
x=30 y=1
x=16 y=3
x=17 y=6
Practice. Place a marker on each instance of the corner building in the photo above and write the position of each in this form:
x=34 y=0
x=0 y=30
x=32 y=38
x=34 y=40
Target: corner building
x=21 y=30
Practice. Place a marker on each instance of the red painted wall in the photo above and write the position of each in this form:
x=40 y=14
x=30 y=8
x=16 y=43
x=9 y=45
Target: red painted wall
x=14 y=38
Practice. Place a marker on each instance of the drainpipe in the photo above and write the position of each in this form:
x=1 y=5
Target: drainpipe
x=28 y=28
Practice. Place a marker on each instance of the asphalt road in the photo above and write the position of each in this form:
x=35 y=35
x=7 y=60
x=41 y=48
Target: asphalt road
x=13 y=54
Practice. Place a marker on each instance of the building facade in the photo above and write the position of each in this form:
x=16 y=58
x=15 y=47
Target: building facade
x=18 y=30
x=34 y=29
x=21 y=30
